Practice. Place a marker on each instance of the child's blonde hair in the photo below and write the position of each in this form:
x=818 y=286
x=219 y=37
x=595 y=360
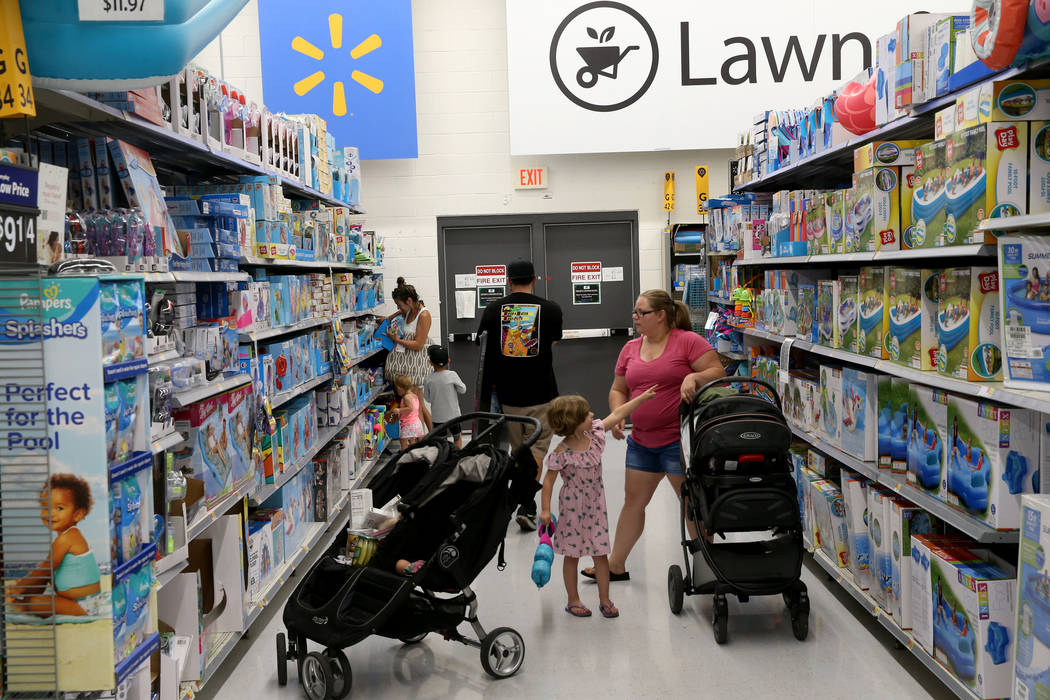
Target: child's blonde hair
x=404 y=383
x=566 y=413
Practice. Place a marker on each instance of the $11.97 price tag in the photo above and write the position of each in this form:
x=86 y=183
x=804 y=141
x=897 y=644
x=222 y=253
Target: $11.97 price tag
x=121 y=10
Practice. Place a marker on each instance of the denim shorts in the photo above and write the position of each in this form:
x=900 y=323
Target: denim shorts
x=655 y=460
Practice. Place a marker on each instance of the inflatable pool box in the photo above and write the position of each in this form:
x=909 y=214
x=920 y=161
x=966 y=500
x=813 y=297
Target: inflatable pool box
x=834 y=222
x=873 y=293
x=905 y=521
x=905 y=316
x=860 y=414
x=855 y=497
x=880 y=188
x=1025 y=313
x=928 y=199
x=927 y=415
x=830 y=397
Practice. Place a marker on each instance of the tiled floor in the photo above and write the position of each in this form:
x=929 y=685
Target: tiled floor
x=646 y=653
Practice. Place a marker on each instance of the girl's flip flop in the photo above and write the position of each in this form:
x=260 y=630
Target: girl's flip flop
x=609 y=610
x=613 y=576
x=578 y=610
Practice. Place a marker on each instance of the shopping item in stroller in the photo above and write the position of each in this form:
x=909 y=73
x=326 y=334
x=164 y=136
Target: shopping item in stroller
x=455 y=505
x=739 y=503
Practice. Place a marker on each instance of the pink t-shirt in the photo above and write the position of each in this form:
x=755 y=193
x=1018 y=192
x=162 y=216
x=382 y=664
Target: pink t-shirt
x=656 y=421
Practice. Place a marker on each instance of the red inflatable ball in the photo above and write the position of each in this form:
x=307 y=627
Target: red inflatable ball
x=855 y=106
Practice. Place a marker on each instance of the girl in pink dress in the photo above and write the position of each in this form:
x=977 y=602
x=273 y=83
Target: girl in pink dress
x=583 y=524
x=408 y=412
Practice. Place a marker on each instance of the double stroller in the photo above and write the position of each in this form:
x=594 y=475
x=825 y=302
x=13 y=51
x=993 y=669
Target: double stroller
x=740 y=503
x=454 y=510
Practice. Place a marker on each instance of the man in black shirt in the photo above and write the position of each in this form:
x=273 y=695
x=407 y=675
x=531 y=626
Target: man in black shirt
x=519 y=364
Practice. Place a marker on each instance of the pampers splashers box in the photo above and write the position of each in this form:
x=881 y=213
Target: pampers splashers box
x=1024 y=264
x=969 y=335
x=991 y=458
x=968 y=616
x=926 y=415
x=859 y=414
x=902 y=339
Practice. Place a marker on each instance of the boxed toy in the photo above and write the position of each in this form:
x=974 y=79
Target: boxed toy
x=941 y=52
x=886 y=72
x=1031 y=629
x=855 y=499
x=879 y=499
x=859 y=419
x=805 y=313
x=1026 y=309
x=928 y=337
x=885 y=153
x=987 y=178
x=832 y=240
x=992 y=457
x=876 y=210
x=856 y=210
x=1039 y=168
x=830 y=512
x=929 y=198
x=902 y=341
x=873 y=293
x=1020 y=99
x=827 y=313
x=899 y=425
x=885 y=440
x=968 y=318
x=815 y=222
x=925 y=549
x=830 y=408
x=217 y=448
x=849 y=305
x=905 y=520
x=927 y=416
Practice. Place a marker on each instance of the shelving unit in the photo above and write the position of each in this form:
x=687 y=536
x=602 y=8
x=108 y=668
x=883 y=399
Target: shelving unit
x=962 y=251
x=182 y=399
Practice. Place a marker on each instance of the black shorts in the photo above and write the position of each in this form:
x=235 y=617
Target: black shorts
x=455 y=430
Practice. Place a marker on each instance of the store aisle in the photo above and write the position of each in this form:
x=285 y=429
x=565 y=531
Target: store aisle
x=646 y=653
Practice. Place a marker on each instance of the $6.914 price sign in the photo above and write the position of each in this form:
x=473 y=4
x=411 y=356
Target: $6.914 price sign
x=17 y=237
x=121 y=10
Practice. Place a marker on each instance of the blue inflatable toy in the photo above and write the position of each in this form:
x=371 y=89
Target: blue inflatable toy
x=969 y=478
x=1015 y=472
x=899 y=434
x=954 y=637
x=385 y=340
x=997 y=643
x=924 y=456
x=541 y=562
x=835 y=231
x=65 y=53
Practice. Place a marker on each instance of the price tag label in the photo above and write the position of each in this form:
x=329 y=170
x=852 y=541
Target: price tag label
x=16 y=91
x=121 y=10
x=17 y=237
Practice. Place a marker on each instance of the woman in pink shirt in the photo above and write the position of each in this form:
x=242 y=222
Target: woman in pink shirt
x=670 y=355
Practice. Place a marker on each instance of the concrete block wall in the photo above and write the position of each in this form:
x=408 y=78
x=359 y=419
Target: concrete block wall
x=464 y=165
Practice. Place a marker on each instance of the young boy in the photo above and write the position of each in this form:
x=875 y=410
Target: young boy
x=440 y=389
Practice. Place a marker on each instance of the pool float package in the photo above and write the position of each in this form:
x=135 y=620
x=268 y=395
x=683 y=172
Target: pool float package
x=1024 y=263
x=928 y=198
x=991 y=458
x=925 y=420
x=931 y=292
x=1032 y=626
x=878 y=208
x=969 y=344
x=902 y=340
x=830 y=512
x=848 y=312
x=827 y=313
x=963 y=613
x=830 y=423
x=859 y=420
x=873 y=295
x=986 y=178
x=855 y=498
x=905 y=520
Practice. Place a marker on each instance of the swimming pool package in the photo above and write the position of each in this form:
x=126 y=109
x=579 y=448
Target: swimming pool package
x=1024 y=263
x=968 y=324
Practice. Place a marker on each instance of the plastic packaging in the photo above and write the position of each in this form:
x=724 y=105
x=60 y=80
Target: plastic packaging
x=131 y=527
x=112 y=408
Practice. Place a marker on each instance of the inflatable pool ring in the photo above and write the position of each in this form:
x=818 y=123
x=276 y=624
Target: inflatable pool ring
x=951 y=332
x=926 y=205
x=954 y=637
x=966 y=479
x=1013 y=475
x=855 y=106
x=925 y=461
x=903 y=328
x=870 y=314
x=385 y=340
x=962 y=197
x=997 y=30
x=1036 y=313
x=65 y=53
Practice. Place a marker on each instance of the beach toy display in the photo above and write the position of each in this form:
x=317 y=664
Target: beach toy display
x=65 y=53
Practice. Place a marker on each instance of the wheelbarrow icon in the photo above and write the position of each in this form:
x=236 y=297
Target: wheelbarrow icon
x=601 y=60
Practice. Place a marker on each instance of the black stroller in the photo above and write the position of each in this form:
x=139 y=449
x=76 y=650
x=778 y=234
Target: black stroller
x=455 y=507
x=738 y=480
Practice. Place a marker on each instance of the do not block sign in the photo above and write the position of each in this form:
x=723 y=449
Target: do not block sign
x=586 y=282
x=585 y=271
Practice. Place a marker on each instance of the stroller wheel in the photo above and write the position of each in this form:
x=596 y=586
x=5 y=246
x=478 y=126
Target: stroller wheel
x=720 y=619
x=316 y=676
x=800 y=627
x=502 y=652
x=675 y=588
x=342 y=676
x=282 y=660
x=414 y=640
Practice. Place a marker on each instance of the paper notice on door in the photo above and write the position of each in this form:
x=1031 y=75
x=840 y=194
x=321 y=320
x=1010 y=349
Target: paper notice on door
x=464 y=303
x=466 y=281
x=612 y=274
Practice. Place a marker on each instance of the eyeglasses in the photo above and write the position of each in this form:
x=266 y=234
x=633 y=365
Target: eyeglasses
x=638 y=314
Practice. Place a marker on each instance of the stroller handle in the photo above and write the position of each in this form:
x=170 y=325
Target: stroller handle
x=498 y=420
x=686 y=409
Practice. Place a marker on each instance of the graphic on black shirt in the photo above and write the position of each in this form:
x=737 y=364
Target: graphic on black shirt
x=520 y=330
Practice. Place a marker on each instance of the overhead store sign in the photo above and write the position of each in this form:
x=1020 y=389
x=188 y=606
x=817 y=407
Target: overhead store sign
x=639 y=75
x=349 y=61
x=16 y=91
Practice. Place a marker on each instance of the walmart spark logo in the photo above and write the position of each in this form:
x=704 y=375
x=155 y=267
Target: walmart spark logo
x=335 y=29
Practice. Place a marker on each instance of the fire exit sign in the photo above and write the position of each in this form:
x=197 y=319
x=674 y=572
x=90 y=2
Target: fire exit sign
x=531 y=178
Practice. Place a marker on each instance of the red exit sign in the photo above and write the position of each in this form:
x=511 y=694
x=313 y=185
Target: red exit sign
x=531 y=178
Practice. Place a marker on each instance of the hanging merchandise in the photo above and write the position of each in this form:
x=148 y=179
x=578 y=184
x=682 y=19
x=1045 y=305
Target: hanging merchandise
x=95 y=45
